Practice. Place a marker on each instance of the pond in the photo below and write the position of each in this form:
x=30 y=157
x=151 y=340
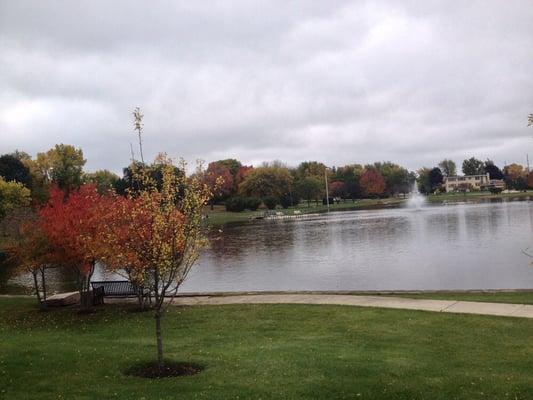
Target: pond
x=459 y=246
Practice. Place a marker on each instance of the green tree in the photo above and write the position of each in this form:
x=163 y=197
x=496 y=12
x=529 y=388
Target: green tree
x=311 y=168
x=62 y=165
x=236 y=204
x=310 y=188
x=493 y=171
x=12 y=169
x=13 y=195
x=231 y=164
x=397 y=179
x=473 y=166
x=448 y=167
x=274 y=181
x=21 y=155
x=270 y=202
x=105 y=180
x=435 y=178
x=423 y=180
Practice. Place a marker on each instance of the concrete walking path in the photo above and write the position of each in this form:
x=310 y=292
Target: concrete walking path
x=447 y=306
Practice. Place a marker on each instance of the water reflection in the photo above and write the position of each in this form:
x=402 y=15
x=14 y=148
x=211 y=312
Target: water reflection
x=467 y=246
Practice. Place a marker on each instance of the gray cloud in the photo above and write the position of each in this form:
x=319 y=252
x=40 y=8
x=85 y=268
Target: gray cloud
x=339 y=82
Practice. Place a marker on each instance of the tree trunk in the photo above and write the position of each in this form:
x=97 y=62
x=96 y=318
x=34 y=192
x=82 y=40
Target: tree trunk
x=160 y=361
x=43 y=280
x=140 y=299
x=159 y=299
x=42 y=304
x=84 y=287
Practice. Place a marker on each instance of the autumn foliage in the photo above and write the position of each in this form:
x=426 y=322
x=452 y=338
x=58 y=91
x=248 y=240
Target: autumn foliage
x=337 y=189
x=219 y=180
x=241 y=174
x=372 y=182
x=32 y=253
x=73 y=224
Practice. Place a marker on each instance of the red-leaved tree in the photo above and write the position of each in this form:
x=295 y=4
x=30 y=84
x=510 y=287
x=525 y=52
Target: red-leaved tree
x=219 y=180
x=73 y=226
x=241 y=174
x=337 y=189
x=372 y=182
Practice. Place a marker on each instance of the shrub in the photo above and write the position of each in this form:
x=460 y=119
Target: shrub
x=235 y=204
x=495 y=190
x=253 y=203
x=286 y=201
x=270 y=202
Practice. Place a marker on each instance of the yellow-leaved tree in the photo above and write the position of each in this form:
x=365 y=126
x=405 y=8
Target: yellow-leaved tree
x=157 y=232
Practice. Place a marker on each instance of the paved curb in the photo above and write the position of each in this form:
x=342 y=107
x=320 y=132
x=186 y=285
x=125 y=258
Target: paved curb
x=446 y=306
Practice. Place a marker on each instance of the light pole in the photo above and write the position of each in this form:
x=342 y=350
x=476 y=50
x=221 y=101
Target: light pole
x=327 y=191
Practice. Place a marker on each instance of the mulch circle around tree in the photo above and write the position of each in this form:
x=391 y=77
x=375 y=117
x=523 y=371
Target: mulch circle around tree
x=171 y=369
x=87 y=311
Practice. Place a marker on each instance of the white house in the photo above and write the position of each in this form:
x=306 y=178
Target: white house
x=467 y=182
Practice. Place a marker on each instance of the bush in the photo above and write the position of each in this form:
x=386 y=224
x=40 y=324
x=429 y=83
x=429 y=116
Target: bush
x=270 y=202
x=235 y=204
x=286 y=201
x=253 y=203
x=495 y=190
x=295 y=199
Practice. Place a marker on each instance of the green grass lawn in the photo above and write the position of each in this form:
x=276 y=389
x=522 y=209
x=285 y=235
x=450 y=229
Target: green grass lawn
x=265 y=352
x=472 y=196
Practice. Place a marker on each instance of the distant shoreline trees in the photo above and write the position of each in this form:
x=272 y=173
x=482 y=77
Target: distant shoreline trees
x=244 y=186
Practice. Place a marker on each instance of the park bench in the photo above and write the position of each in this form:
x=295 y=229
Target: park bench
x=116 y=289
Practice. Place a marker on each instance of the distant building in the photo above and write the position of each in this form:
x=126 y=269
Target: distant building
x=466 y=183
x=497 y=183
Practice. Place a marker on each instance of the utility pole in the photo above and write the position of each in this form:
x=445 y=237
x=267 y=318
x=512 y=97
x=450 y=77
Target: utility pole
x=527 y=160
x=327 y=191
x=132 y=153
x=138 y=126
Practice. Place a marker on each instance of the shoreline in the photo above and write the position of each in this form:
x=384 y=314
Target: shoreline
x=354 y=292
x=220 y=217
x=333 y=292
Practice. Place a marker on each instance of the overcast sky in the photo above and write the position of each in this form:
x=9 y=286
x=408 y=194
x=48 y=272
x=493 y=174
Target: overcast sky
x=335 y=81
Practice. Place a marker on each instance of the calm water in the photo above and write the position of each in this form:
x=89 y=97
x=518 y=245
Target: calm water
x=469 y=246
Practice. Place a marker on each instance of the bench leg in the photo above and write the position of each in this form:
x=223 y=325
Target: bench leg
x=98 y=297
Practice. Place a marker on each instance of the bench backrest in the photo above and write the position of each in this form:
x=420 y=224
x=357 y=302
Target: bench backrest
x=115 y=288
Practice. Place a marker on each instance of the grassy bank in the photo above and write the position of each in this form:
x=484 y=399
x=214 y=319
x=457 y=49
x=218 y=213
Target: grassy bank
x=267 y=351
x=473 y=196
x=519 y=297
x=219 y=215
